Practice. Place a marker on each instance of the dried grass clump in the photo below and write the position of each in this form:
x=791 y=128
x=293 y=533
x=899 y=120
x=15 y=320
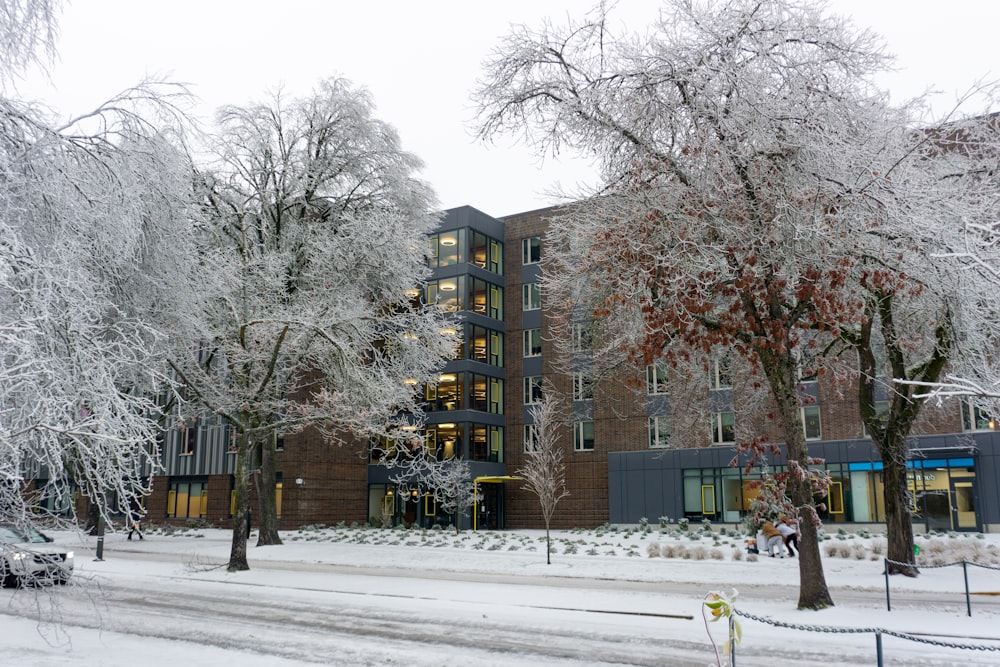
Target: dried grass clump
x=859 y=551
x=879 y=546
x=696 y=553
x=737 y=554
x=653 y=549
x=716 y=554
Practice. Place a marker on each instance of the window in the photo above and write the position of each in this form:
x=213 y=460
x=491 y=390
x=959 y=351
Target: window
x=532 y=342
x=723 y=430
x=810 y=422
x=720 y=373
x=659 y=431
x=975 y=419
x=189 y=437
x=532 y=296
x=583 y=388
x=656 y=379
x=496 y=396
x=583 y=436
x=532 y=389
x=881 y=412
x=581 y=337
x=531 y=250
x=187 y=498
x=530 y=438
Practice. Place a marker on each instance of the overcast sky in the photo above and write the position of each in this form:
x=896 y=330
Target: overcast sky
x=421 y=60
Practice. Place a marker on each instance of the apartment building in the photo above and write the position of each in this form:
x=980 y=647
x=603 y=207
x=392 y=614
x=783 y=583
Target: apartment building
x=644 y=446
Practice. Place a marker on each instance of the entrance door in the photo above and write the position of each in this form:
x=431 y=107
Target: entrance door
x=964 y=506
x=936 y=506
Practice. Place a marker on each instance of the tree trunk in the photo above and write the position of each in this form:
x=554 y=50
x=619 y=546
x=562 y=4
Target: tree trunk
x=241 y=525
x=813 y=591
x=898 y=520
x=267 y=500
x=548 y=545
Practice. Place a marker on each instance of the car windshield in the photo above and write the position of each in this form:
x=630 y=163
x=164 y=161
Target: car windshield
x=12 y=534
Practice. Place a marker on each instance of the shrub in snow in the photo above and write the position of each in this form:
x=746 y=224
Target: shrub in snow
x=653 y=549
x=737 y=554
x=697 y=553
x=664 y=520
x=683 y=524
x=643 y=522
x=716 y=554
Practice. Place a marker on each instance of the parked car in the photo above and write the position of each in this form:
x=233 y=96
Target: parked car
x=29 y=557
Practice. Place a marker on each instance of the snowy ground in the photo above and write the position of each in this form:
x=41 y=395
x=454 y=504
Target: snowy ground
x=392 y=597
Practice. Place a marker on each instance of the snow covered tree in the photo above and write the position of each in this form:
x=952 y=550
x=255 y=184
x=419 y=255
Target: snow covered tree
x=313 y=232
x=732 y=143
x=88 y=209
x=415 y=468
x=544 y=472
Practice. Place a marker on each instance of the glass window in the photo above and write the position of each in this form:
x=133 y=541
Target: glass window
x=478 y=393
x=531 y=296
x=659 y=431
x=532 y=342
x=531 y=250
x=530 y=438
x=478 y=249
x=583 y=436
x=810 y=422
x=532 y=389
x=496 y=257
x=581 y=337
x=723 y=427
x=721 y=377
x=496 y=348
x=975 y=418
x=583 y=388
x=496 y=303
x=496 y=396
x=656 y=378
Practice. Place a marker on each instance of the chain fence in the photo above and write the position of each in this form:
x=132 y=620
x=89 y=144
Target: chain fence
x=965 y=575
x=878 y=632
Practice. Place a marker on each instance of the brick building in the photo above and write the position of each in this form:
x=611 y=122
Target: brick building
x=647 y=445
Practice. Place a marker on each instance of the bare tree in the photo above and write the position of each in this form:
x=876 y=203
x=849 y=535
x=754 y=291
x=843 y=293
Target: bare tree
x=313 y=228
x=544 y=472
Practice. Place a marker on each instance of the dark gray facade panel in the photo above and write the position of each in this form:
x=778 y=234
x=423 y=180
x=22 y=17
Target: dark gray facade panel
x=648 y=483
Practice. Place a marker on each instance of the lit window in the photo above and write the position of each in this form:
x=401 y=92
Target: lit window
x=532 y=389
x=723 y=429
x=659 y=431
x=532 y=342
x=656 y=379
x=976 y=419
x=583 y=436
x=532 y=296
x=810 y=422
x=531 y=250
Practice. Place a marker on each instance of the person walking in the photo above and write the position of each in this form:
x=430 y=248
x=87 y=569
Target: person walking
x=136 y=517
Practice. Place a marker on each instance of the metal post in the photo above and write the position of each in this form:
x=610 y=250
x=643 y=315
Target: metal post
x=732 y=639
x=968 y=602
x=878 y=648
x=100 y=538
x=888 y=604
